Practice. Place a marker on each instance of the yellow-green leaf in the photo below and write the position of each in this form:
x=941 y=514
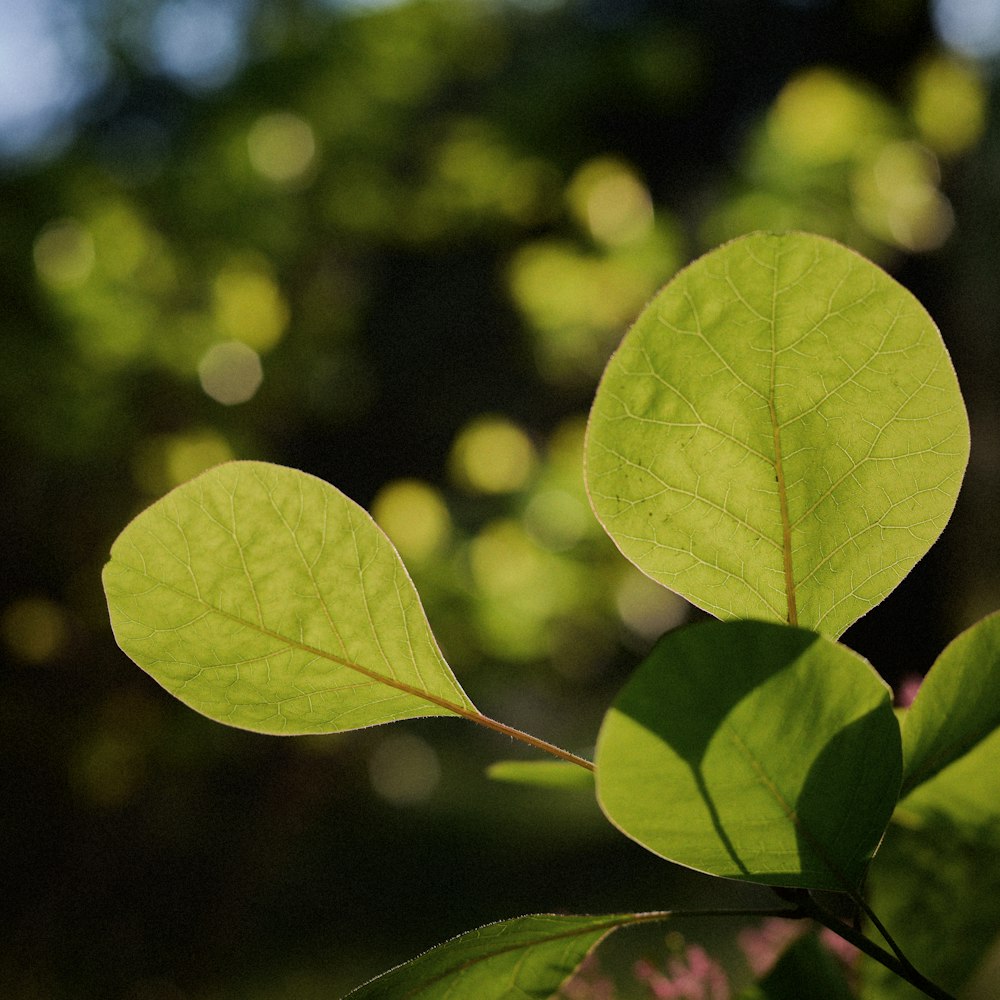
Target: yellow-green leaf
x=780 y=435
x=266 y=599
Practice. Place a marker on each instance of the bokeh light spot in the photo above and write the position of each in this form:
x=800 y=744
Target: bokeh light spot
x=404 y=769
x=647 y=609
x=608 y=197
x=948 y=105
x=108 y=768
x=821 y=116
x=281 y=146
x=556 y=519
x=64 y=254
x=896 y=198
x=248 y=306
x=128 y=248
x=168 y=460
x=231 y=373
x=505 y=561
x=49 y=65
x=34 y=629
x=199 y=42
x=492 y=455
x=969 y=27
x=414 y=516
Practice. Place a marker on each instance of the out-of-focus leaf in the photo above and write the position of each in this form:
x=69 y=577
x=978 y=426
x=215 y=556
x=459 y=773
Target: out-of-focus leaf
x=543 y=774
x=780 y=435
x=937 y=888
x=753 y=751
x=266 y=599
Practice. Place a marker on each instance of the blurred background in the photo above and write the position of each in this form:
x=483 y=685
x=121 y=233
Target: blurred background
x=393 y=244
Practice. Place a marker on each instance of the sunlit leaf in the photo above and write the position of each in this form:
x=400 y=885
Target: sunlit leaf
x=957 y=706
x=266 y=599
x=527 y=958
x=543 y=774
x=754 y=751
x=780 y=435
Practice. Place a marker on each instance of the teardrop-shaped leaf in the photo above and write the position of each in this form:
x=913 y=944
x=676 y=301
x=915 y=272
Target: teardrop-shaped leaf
x=957 y=706
x=780 y=435
x=527 y=958
x=265 y=599
x=753 y=751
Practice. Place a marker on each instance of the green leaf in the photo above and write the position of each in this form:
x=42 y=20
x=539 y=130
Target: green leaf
x=527 y=958
x=938 y=890
x=543 y=774
x=780 y=435
x=957 y=706
x=753 y=751
x=966 y=793
x=265 y=599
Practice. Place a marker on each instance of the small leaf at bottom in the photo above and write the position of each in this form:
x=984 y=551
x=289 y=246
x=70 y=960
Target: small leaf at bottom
x=527 y=958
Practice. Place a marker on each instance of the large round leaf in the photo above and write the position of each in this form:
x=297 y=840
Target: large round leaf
x=754 y=751
x=266 y=599
x=780 y=435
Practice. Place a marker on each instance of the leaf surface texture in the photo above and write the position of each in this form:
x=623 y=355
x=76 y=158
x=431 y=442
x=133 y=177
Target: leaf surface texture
x=266 y=599
x=780 y=435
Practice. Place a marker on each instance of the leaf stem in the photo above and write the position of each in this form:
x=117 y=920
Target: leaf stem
x=786 y=527
x=532 y=741
x=897 y=963
x=779 y=472
x=880 y=927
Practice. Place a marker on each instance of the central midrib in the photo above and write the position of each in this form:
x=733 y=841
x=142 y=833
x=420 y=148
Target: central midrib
x=786 y=524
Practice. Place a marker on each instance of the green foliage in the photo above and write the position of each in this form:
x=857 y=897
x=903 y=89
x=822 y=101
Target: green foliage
x=956 y=708
x=780 y=437
x=695 y=758
x=542 y=774
x=266 y=599
x=527 y=958
x=937 y=885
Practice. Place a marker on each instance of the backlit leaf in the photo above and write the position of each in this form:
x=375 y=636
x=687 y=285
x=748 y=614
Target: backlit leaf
x=527 y=958
x=266 y=599
x=957 y=706
x=780 y=435
x=753 y=751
